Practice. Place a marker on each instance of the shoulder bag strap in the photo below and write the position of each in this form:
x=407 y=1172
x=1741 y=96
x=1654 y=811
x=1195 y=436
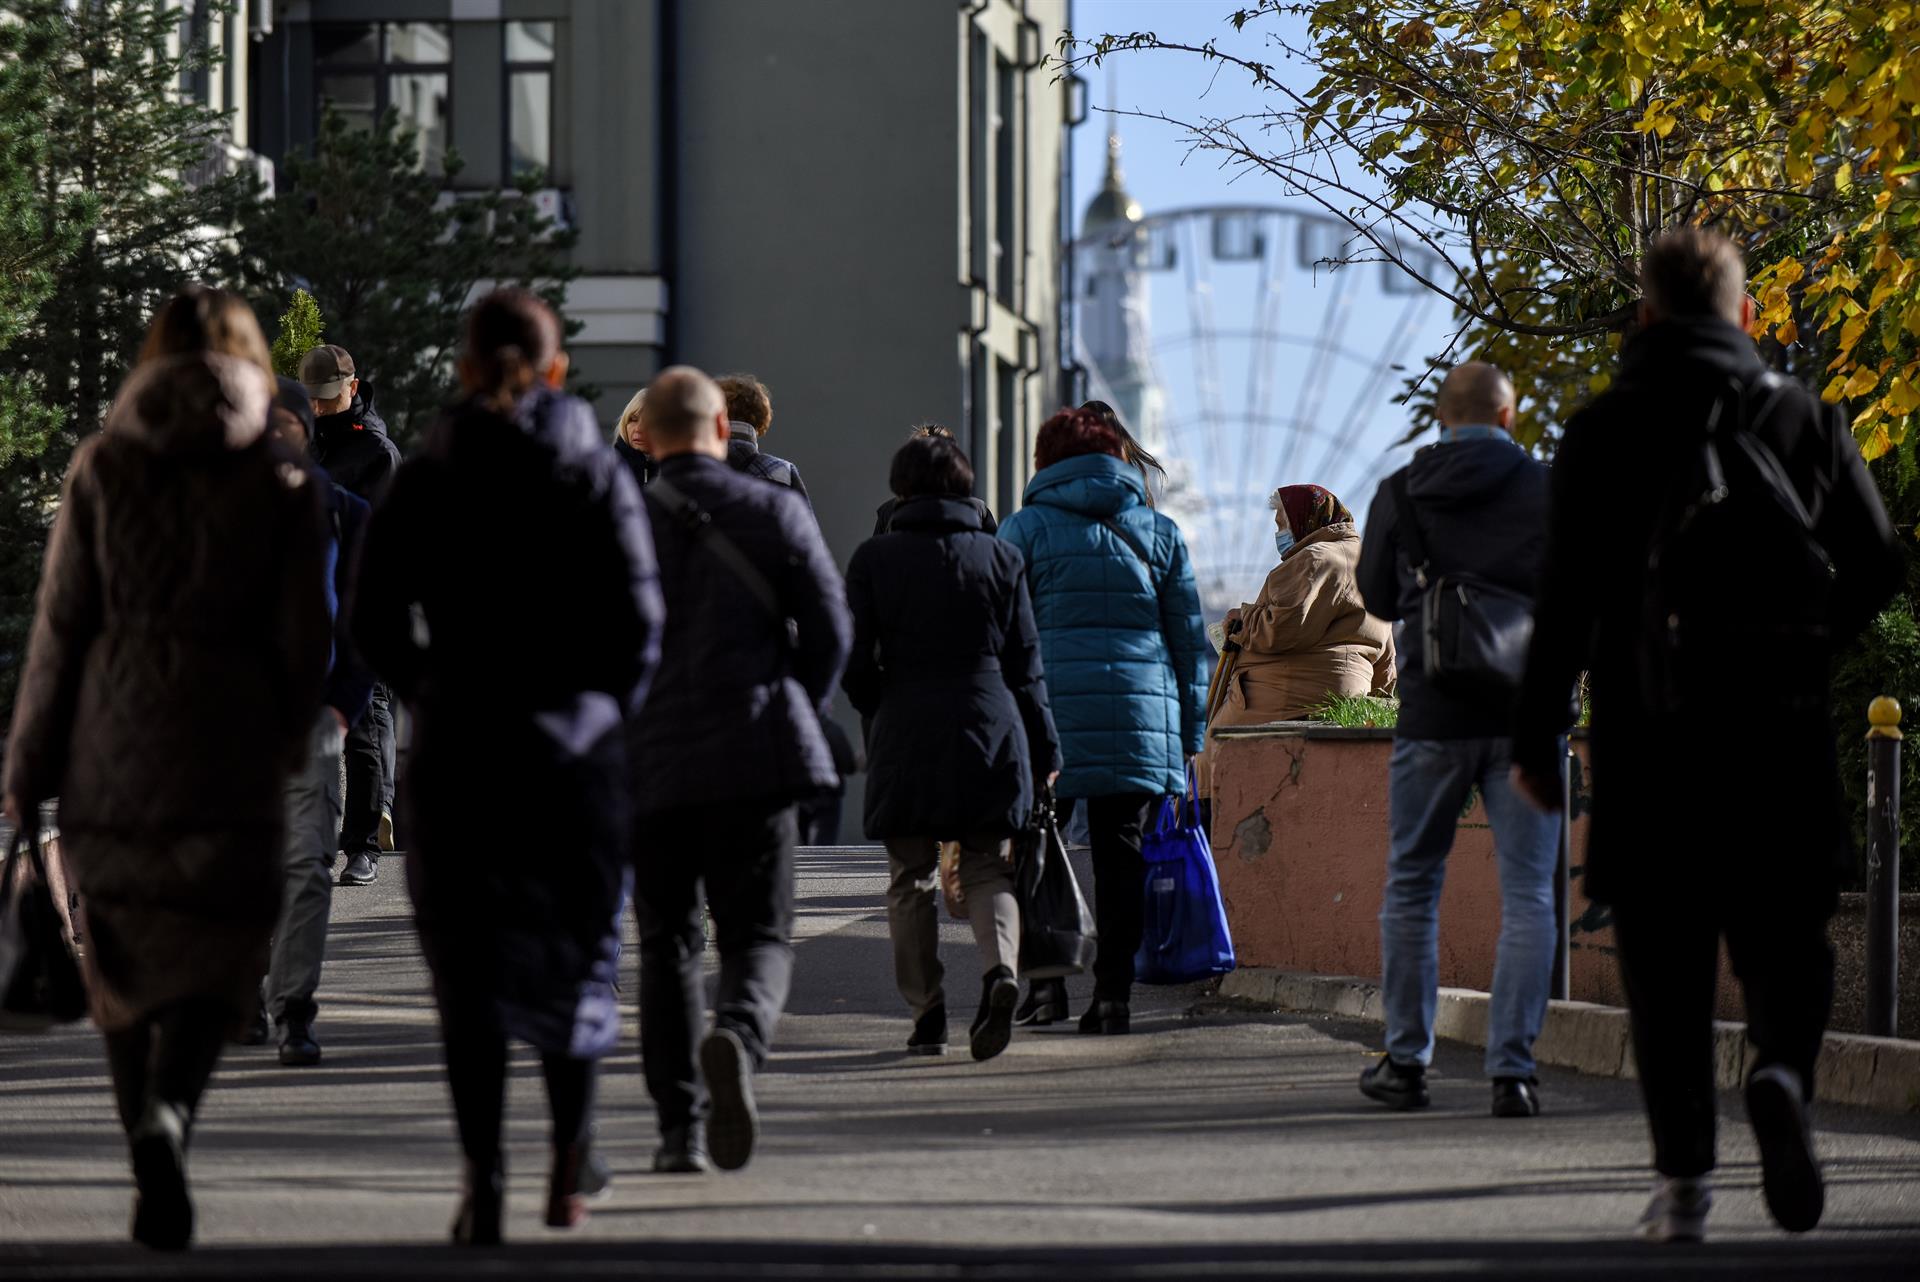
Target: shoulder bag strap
x=1410 y=536
x=1121 y=532
x=699 y=523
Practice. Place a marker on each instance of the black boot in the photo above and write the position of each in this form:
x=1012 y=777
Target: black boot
x=682 y=1151
x=162 y=1210
x=478 y=1222
x=929 y=1032
x=1107 y=1018
x=1398 y=1086
x=1046 y=1004
x=993 y=1025
x=566 y=1205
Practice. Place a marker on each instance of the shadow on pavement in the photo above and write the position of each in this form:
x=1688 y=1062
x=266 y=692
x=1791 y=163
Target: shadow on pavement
x=1890 y=1257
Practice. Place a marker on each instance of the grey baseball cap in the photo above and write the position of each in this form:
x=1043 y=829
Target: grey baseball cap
x=326 y=371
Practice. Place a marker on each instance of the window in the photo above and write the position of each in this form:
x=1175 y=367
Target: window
x=1007 y=428
x=364 y=70
x=196 y=80
x=1004 y=196
x=529 y=71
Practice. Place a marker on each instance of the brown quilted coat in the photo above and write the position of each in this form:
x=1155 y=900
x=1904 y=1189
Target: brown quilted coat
x=172 y=674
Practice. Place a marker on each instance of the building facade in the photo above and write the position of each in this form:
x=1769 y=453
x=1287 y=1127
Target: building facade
x=860 y=201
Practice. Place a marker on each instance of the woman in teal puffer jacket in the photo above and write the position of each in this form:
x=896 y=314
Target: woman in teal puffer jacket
x=1126 y=660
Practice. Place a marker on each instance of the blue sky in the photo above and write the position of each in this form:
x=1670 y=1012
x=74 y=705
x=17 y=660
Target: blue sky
x=1302 y=391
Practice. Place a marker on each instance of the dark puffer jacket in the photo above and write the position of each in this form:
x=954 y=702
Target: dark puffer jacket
x=946 y=663
x=509 y=595
x=735 y=712
x=354 y=447
x=1482 y=506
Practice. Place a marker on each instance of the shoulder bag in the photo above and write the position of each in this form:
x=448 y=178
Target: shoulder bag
x=1473 y=634
x=40 y=983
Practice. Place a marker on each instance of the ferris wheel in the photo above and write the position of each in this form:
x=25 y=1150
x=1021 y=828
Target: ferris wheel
x=1245 y=361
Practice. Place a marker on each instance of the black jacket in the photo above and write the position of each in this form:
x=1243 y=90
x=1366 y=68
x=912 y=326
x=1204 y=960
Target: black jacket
x=946 y=663
x=735 y=714
x=349 y=687
x=354 y=447
x=1482 y=506
x=641 y=465
x=509 y=594
x=1669 y=800
x=883 y=516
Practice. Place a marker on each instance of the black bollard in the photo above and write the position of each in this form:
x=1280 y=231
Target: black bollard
x=1883 y=868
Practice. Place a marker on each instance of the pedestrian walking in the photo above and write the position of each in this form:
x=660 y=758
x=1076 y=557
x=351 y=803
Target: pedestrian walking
x=819 y=815
x=883 y=515
x=350 y=441
x=1715 y=541
x=170 y=684
x=1307 y=637
x=313 y=791
x=630 y=440
x=1125 y=653
x=1132 y=452
x=750 y=417
x=757 y=633
x=946 y=667
x=1468 y=509
x=518 y=679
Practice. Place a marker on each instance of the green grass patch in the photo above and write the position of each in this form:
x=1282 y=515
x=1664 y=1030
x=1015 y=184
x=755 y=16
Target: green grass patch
x=1358 y=712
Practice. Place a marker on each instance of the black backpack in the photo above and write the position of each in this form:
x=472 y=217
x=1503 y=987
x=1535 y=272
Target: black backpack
x=1739 y=588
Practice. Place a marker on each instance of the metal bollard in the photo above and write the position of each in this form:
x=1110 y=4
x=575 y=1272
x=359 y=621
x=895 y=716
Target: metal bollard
x=1562 y=987
x=1883 y=868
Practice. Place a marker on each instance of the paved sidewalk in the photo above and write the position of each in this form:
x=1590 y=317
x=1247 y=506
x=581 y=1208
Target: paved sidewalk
x=1210 y=1143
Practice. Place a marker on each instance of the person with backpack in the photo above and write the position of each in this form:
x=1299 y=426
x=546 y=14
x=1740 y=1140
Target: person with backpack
x=1465 y=521
x=946 y=665
x=1125 y=654
x=520 y=680
x=1715 y=541
x=730 y=739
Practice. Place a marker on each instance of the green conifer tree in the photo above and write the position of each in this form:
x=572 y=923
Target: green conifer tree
x=300 y=331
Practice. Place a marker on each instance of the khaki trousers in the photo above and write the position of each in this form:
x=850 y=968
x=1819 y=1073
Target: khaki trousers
x=913 y=918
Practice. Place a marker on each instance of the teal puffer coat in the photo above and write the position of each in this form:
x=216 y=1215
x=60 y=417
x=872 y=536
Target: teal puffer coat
x=1125 y=649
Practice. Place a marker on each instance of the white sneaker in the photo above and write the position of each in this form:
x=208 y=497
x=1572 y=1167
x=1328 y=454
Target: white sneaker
x=1678 y=1211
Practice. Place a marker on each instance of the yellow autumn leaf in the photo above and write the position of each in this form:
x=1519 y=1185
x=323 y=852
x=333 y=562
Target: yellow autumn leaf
x=1874 y=442
x=1864 y=380
x=1851 y=333
x=1901 y=396
x=1835 y=389
x=1599 y=382
x=1787 y=335
x=1511 y=19
x=1789 y=271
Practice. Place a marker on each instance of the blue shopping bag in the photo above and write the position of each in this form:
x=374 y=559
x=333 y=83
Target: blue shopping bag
x=1185 y=936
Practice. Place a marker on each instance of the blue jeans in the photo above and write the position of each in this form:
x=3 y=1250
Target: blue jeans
x=1431 y=782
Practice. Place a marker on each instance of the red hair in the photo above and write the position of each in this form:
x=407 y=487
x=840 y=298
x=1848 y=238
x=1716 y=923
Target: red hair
x=1071 y=433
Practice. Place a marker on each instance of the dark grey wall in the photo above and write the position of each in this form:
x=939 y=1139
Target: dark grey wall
x=817 y=195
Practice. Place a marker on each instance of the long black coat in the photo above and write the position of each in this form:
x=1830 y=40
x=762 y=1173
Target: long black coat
x=509 y=595
x=1755 y=794
x=736 y=712
x=946 y=664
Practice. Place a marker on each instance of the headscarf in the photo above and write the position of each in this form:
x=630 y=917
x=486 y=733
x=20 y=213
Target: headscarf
x=1310 y=509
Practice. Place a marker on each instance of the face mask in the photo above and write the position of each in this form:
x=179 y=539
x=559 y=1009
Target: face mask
x=1282 y=540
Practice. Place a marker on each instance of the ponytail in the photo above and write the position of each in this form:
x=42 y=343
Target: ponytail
x=511 y=337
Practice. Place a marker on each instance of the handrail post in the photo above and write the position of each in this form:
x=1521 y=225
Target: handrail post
x=1883 y=868
x=1563 y=888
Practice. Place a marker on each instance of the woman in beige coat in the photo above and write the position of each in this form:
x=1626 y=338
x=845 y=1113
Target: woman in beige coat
x=1307 y=637
x=172 y=677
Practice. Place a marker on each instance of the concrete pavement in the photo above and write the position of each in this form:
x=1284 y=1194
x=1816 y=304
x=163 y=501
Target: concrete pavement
x=1210 y=1143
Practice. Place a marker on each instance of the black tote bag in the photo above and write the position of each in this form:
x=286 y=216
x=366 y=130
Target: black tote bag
x=40 y=983
x=1057 y=936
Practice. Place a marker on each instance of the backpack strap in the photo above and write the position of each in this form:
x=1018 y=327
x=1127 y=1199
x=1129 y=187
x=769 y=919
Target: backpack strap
x=699 y=523
x=1409 y=529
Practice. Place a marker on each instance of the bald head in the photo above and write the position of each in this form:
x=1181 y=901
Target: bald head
x=1475 y=393
x=684 y=413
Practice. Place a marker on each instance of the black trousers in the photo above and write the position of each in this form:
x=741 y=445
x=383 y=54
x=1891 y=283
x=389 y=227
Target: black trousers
x=167 y=1059
x=1114 y=828
x=475 y=1044
x=370 y=769
x=1669 y=949
x=740 y=854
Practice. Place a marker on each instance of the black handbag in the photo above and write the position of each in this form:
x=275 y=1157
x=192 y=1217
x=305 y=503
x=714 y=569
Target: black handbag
x=1057 y=936
x=40 y=983
x=1473 y=634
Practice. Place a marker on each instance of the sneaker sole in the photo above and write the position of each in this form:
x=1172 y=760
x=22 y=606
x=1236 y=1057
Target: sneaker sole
x=929 y=1049
x=299 y=1061
x=996 y=1030
x=734 y=1123
x=1788 y=1173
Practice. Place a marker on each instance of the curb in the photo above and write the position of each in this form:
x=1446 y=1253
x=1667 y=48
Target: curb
x=1880 y=1073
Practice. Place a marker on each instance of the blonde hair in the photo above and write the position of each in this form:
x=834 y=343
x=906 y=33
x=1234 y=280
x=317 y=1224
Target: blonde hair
x=629 y=415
